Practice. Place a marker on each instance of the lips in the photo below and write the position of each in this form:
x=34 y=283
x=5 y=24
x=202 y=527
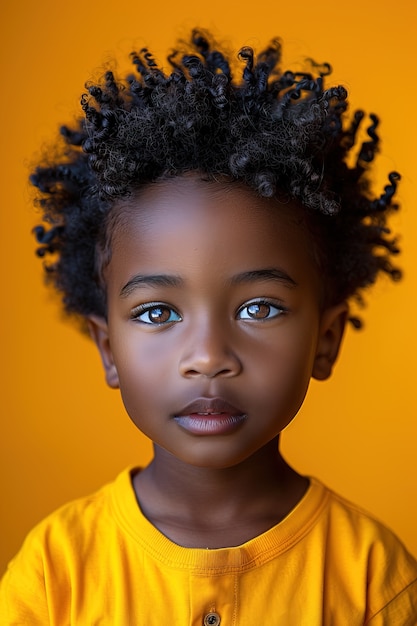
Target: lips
x=210 y=416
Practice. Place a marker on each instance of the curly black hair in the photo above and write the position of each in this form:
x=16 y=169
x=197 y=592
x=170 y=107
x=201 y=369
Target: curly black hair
x=279 y=132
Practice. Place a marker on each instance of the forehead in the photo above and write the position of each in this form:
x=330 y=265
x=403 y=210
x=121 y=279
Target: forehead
x=187 y=222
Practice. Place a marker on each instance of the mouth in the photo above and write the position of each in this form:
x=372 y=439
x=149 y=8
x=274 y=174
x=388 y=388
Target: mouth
x=210 y=416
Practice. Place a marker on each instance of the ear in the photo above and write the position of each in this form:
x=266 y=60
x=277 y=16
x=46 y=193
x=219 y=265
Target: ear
x=99 y=332
x=332 y=328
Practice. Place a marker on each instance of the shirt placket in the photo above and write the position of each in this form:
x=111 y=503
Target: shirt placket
x=213 y=600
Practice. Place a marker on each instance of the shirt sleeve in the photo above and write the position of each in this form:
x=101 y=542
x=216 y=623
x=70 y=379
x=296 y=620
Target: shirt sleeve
x=401 y=611
x=22 y=592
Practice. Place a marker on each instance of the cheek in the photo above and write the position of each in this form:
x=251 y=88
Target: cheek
x=281 y=369
x=142 y=369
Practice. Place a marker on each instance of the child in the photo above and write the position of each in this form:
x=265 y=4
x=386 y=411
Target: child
x=210 y=233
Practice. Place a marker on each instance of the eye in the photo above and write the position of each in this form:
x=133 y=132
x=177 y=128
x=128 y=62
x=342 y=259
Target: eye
x=260 y=310
x=156 y=314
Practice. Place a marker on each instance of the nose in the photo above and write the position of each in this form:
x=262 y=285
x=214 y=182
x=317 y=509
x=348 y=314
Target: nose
x=208 y=352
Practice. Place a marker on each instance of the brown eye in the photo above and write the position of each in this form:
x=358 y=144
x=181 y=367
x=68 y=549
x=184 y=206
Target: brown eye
x=155 y=314
x=260 y=310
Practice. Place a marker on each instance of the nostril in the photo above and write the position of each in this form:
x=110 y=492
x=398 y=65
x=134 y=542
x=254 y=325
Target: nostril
x=192 y=373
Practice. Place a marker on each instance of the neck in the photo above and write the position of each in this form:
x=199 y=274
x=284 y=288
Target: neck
x=247 y=498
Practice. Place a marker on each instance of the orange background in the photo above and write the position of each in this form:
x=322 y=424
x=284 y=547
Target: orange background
x=63 y=433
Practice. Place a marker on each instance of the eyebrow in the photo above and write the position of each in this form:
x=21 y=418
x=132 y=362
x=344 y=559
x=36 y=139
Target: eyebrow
x=150 y=280
x=172 y=280
x=272 y=274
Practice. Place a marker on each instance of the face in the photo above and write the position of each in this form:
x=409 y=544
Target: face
x=214 y=325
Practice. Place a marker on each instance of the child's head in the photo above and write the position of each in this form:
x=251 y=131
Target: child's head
x=280 y=133
x=212 y=231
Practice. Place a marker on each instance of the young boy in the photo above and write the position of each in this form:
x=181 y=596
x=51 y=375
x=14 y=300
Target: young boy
x=211 y=234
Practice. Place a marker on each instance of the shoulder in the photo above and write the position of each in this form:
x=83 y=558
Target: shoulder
x=84 y=519
x=363 y=550
x=356 y=528
x=354 y=522
x=87 y=513
x=56 y=550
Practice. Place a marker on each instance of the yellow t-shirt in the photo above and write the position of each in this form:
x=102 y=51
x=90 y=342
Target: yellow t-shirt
x=99 y=561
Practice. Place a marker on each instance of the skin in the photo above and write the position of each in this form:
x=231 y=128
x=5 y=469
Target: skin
x=237 y=316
